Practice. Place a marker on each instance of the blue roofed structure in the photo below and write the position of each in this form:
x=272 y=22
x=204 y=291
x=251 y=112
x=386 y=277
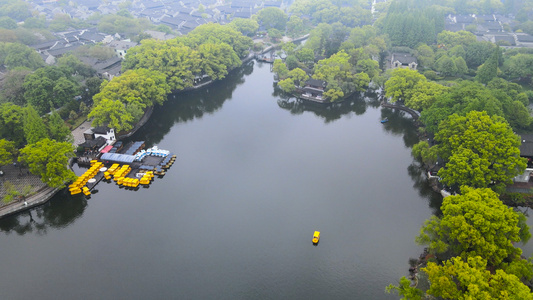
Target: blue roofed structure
x=118 y=158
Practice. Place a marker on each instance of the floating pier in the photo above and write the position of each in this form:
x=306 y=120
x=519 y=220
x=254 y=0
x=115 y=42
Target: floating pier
x=131 y=168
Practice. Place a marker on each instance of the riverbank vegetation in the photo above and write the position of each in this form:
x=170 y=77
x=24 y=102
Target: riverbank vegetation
x=472 y=97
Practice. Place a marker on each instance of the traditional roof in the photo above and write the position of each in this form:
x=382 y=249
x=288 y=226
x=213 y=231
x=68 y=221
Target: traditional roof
x=526 y=145
x=96 y=143
x=506 y=38
x=464 y=19
x=403 y=58
x=524 y=38
x=315 y=83
x=101 y=129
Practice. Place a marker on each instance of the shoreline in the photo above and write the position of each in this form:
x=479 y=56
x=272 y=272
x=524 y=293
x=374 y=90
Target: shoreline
x=46 y=193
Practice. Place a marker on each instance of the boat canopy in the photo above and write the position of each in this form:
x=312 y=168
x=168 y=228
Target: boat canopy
x=117 y=157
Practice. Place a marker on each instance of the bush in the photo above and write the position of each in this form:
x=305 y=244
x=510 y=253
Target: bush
x=529 y=95
x=258 y=47
x=430 y=74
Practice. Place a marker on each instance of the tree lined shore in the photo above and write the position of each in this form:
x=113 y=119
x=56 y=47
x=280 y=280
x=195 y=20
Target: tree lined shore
x=472 y=97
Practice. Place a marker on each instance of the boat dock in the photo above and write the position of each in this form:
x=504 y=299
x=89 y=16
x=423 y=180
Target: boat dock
x=129 y=166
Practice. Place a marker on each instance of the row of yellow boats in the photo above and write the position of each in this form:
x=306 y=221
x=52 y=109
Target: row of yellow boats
x=78 y=186
x=119 y=173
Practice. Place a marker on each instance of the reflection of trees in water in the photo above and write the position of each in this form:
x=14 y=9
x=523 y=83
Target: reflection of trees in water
x=189 y=105
x=356 y=104
x=57 y=213
x=424 y=189
x=400 y=123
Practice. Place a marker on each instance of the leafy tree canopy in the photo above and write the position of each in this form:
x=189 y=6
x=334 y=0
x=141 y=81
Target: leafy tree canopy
x=401 y=84
x=7 y=151
x=34 y=128
x=245 y=26
x=424 y=94
x=15 y=55
x=272 y=17
x=460 y=279
x=12 y=123
x=140 y=86
x=474 y=223
x=48 y=159
x=479 y=150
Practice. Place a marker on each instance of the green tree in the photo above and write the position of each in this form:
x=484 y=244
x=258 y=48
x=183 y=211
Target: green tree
x=298 y=76
x=34 y=128
x=272 y=17
x=333 y=94
x=141 y=86
x=405 y=290
x=460 y=279
x=245 y=26
x=274 y=34
x=474 y=223
x=457 y=51
x=489 y=69
x=280 y=69
x=361 y=80
x=337 y=72
x=16 y=55
x=461 y=66
x=12 y=89
x=7 y=152
x=477 y=53
x=519 y=66
x=423 y=152
x=35 y=22
x=91 y=88
x=446 y=66
x=74 y=66
x=461 y=99
x=178 y=62
x=426 y=56
x=7 y=23
x=48 y=159
x=451 y=39
x=216 y=33
x=424 y=94
x=401 y=83
x=216 y=60
x=479 y=151
x=305 y=55
x=63 y=91
x=287 y=85
x=368 y=66
x=113 y=114
x=295 y=26
x=58 y=130
x=12 y=123
x=291 y=61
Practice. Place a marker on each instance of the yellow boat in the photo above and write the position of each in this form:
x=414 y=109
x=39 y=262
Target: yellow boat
x=316 y=237
x=86 y=191
x=75 y=191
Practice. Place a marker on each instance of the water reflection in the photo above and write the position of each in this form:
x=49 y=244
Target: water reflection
x=424 y=189
x=355 y=104
x=182 y=107
x=58 y=213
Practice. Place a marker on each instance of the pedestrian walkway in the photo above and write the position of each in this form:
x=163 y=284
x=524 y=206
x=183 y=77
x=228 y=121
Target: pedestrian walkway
x=78 y=133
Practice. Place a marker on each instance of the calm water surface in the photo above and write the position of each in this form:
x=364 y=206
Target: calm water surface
x=256 y=174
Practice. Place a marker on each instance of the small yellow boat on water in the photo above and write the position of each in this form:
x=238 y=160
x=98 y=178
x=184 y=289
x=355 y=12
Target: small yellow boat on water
x=316 y=237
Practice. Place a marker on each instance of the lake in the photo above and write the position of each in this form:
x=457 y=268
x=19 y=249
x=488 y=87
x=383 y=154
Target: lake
x=256 y=174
